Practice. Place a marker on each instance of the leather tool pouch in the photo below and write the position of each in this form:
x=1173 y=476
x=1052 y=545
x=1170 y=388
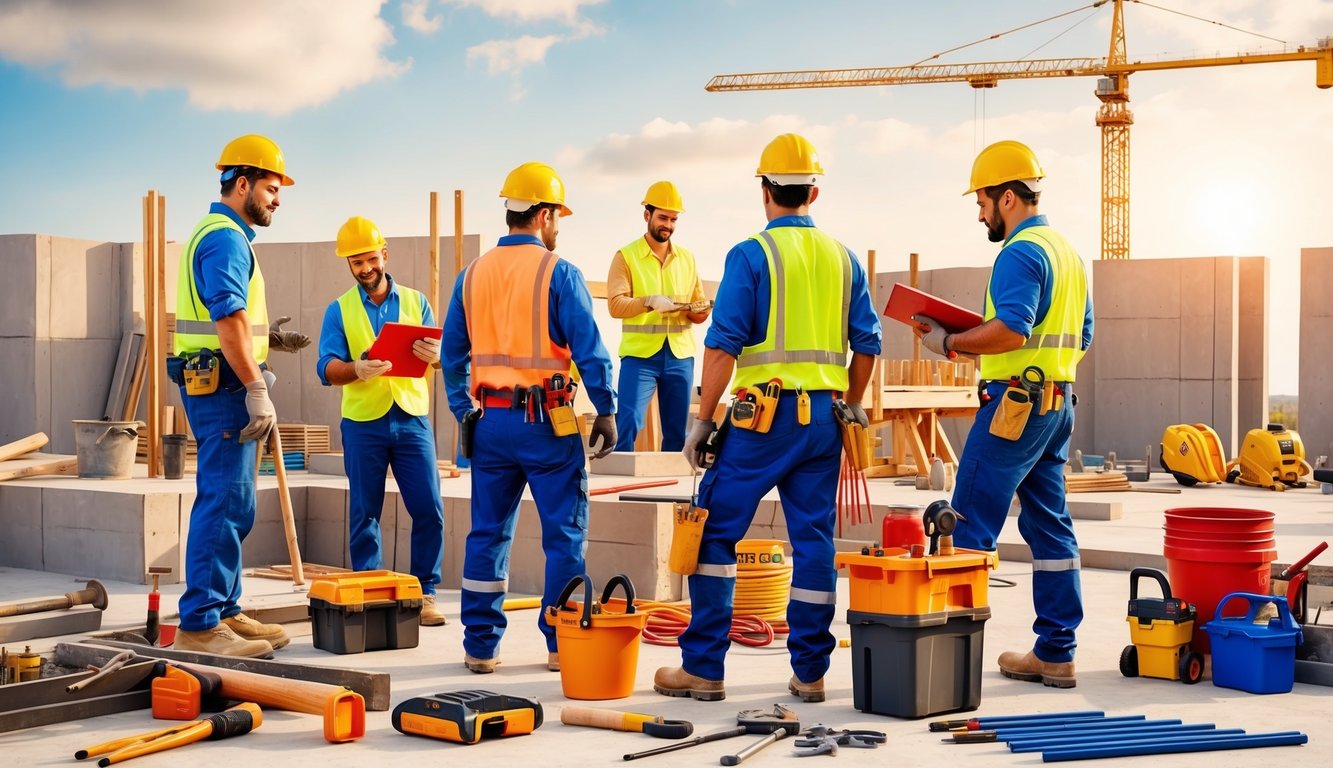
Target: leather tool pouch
x=1011 y=414
x=1047 y=397
x=563 y=421
x=202 y=373
x=768 y=406
x=745 y=411
x=856 y=442
x=686 y=535
x=467 y=429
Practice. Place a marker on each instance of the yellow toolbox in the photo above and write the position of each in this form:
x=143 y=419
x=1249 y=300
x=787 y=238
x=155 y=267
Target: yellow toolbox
x=890 y=581
x=365 y=611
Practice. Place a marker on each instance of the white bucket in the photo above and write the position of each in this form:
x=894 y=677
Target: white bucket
x=106 y=448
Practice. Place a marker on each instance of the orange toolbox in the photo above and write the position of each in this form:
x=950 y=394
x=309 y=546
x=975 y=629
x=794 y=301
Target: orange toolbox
x=890 y=581
x=365 y=611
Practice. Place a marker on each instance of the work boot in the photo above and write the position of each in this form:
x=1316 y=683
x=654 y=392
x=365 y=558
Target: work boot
x=480 y=666
x=221 y=640
x=248 y=628
x=811 y=692
x=553 y=661
x=431 y=615
x=1027 y=667
x=675 y=681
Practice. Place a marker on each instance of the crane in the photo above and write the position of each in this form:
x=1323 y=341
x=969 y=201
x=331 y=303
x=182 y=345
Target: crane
x=1114 y=116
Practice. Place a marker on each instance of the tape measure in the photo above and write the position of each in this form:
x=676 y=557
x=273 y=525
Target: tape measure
x=467 y=717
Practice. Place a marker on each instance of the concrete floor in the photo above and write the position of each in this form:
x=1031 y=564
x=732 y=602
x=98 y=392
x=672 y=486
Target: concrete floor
x=756 y=677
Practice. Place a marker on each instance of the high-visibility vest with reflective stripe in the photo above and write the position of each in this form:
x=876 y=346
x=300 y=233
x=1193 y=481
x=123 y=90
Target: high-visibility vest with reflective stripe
x=810 y=288
x=505 y=297
x=642 y=335
x=369 y=400
x=195 y=329
x=1056 y=343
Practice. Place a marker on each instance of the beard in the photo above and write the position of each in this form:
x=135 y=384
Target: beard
x=661 y=234
x=257 y=213
x=995 y=231
x=371 y=283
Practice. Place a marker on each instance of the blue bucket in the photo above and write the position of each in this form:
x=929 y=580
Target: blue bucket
x=1258 y=658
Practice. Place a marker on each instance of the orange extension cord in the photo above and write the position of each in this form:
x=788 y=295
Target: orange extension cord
x=759 y=611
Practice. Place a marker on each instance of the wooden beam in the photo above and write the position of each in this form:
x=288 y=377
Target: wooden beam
x=23 y=445
x=914 y=276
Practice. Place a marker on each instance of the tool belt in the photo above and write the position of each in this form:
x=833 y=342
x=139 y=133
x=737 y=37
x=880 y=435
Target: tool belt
x=204 y=372
x=1059 y=389
x=551 y=402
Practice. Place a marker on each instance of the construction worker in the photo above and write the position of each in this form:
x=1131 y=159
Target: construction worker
x=221 y=345
x=1036 y=328
x=385 y=418
x=654 y=288
x=519 y=351
x=791 y=303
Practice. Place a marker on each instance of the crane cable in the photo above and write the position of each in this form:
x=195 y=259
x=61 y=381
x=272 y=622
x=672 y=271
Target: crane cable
x=1002 y=34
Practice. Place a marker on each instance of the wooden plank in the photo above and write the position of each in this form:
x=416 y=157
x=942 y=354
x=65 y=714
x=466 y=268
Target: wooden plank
x=919 y=397
x=136 y=383
x=76 y=620
x=57 y=467
x=373 y=686
x=120 y=379
x=23 y=445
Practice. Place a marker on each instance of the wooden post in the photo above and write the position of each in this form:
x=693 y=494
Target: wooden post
x=157 y=363
x=154 y=210
x=434 y=294
x=458 y=233
x=913 y=276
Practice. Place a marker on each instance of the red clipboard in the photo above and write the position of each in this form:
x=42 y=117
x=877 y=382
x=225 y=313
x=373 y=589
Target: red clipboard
x=906 y=301
x=395 y=345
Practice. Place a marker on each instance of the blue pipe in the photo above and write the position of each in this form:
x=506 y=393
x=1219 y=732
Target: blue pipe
x=1133 y=721
x=1281 y=739
x=1188 y=731
x=998 y=720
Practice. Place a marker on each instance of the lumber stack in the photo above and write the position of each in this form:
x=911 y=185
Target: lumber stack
x=18 y=459
x=929 y=373
x=304 y=439
x=1091 y=482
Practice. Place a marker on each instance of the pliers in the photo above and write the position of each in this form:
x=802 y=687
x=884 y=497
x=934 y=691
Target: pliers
x=823 y=740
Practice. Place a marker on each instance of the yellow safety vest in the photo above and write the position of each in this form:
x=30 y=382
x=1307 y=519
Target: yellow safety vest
x=195 y=329
x=810 y=289
x=642 y=335
x=369 y=400
x=1056 y=343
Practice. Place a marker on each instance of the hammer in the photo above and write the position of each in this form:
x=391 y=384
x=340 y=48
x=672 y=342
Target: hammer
x=151 y=627
x=775 y=725
x=94 y=594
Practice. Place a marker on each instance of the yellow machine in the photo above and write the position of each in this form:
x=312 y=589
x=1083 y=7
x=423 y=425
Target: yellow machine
x=1160 y=629
x=1193 y=454
x=1270 y=458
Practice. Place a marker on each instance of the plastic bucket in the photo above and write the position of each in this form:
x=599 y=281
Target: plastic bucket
x=1259 y=658
x=598 y=641
x=902 y=528
x=173 y=456
x=1203 y=576
x=1204 y=541
x=105 y=449
x=1219 y=520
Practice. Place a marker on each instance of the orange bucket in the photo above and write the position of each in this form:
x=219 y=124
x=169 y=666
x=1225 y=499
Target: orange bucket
x=598 y=641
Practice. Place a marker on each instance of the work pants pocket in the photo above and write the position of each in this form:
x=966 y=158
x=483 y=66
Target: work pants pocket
x=1011 y=415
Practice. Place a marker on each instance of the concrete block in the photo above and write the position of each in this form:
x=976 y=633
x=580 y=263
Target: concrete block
x=42 y=297
x=21 y=520
x=1137 y=289
x=80 y=375
x=1147 y=348
x=1153 y=404
x=18 y=375
x=1197 y=347
x=1316 y=370
x=18 y=259
x=327 y=464
x=1196 y=403
x=267 y=543
x=1087 y=509
x=183 y=525
x=393 y=516
x=96 y=533
x=326 y=526
x=1198 y=288
x=163 y=545
x=86 y=290
x=642 y=464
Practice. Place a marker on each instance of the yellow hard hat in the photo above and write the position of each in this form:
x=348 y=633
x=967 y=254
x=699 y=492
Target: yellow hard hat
x=790 y=159
x=664 y=195
x=533 y=183
x=255 y=151
x=1005 y=161
x=359 y=235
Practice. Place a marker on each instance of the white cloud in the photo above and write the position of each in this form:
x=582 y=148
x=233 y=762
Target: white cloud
x=528 y=10
x=240 y=55
x=416 y=18
x=511 y=56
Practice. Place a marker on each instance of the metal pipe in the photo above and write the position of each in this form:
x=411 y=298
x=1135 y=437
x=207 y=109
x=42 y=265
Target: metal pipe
x=1280 y=739
x=975 y=723
x=1189 y=731
x=1104 y=725
x=94 y=594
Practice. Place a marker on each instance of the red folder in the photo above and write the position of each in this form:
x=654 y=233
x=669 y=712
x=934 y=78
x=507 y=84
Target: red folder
x=395 y=345
x=906 y=301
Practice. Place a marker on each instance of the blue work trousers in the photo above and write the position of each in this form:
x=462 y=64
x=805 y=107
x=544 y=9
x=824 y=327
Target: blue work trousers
x=405 y=442
x=802 y=463
x=508 y=453
x=672 y=377
x=990 y=472
x=223 y=511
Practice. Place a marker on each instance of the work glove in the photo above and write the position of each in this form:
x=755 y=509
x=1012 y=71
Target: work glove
x=694 y=441
x=427 y=350
x=934 y=336
x=660 y=304
x=605 y=428
x=287 y=341
x=369 y=369
x=260 y=409
x=859 y=415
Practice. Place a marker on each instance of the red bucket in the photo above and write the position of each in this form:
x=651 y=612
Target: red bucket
x=1219 y=520
x=1204 y=575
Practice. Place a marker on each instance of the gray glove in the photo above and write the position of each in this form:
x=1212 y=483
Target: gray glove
x=605 y=428
x=859 y=415
x=699 y=432
x=260 y=408
x=933 y=338
x=369 y=369
x=427 y=350
x=287 y=341
x=660 y=304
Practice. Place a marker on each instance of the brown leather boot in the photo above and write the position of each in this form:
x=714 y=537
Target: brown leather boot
x=248 y=628
x=223 y=641
x=431 y=615
x=675 y=681
x=811 y=692
x=1027 y=667
x=480 y=666
x=553 y=661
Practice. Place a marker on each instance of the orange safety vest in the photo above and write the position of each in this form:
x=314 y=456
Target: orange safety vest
x=508 y=318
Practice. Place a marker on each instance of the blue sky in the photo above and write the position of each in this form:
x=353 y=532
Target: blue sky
x=377 y=103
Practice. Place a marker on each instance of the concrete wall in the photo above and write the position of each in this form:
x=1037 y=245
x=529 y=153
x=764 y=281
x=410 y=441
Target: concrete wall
x=1316 y=365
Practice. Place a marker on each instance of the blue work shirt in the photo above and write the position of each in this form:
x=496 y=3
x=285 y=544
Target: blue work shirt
x=1021 y=284
x=570 y=322
x=333 y=335
x=222 y=266
x=740 y=312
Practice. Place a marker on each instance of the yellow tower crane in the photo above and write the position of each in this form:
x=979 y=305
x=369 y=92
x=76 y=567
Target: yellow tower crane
x=1114 y=116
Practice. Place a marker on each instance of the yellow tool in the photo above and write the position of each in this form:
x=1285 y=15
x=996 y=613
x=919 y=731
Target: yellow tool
x=467 y=717
x=768 y=404
x=615 y=720
x=855 y=438
x=202 y=373
x=1160 y=629
x=745 y=408
x=1193 y=454
x=1271 y=458
x=802 y=407
x=236 y=721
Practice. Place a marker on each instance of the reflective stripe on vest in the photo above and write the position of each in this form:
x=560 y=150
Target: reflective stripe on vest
x=195 y=329
x=369 y=400
x=1056 y=343
x=810 y=289
x=644 y=334
x=505 y=297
